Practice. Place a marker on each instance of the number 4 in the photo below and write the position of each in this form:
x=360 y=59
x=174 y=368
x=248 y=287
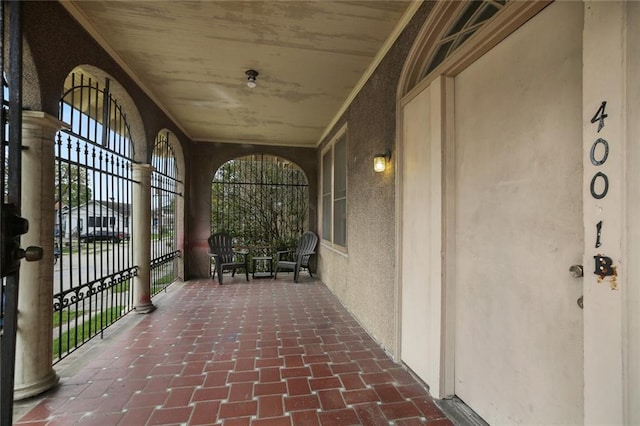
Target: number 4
x=600 y=116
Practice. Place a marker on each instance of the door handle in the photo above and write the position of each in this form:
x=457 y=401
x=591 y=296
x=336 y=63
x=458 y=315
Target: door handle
x=576 y=271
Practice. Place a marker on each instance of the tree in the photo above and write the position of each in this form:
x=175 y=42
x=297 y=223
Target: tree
x=72 y=184
x=261 y=201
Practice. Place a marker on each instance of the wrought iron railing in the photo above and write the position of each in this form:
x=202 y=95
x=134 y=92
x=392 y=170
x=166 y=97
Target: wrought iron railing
x=260 y=200
x=94 y=263
x=83 y=312
x=11 y=203
x=163 y=271
x=4 y=140
x=164 y=211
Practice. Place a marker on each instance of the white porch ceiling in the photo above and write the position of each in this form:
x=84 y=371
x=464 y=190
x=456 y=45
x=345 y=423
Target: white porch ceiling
x=191 y=57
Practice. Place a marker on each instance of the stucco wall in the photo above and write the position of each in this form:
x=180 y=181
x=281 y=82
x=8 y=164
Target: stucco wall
x=363 y=279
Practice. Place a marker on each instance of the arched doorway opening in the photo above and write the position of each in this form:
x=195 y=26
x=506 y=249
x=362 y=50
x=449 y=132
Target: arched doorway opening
x=262 y=201
x=166 y=209
x=93 y=225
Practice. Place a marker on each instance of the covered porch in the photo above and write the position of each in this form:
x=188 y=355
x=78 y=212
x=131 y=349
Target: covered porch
x=264 y=352
x=493 y=256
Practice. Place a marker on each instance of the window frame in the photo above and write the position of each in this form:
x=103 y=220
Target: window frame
x=328 y=154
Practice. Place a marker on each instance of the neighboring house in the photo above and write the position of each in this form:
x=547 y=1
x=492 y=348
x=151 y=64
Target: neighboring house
x=57 y=228
x=162 y=218
x=94 y=215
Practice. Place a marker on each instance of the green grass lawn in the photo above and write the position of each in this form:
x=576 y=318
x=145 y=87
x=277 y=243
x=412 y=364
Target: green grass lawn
x=121 y=287
x=167 y=279
x=64 y=317
x=124 y=286
x=85 y=330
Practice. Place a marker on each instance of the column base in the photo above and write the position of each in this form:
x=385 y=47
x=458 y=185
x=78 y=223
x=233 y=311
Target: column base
x=32 y=389
x=145 y=308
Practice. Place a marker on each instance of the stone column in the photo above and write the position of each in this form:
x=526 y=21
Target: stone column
x=33 y=368
x=141 y=237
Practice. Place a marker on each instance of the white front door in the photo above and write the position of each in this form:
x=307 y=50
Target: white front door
x=518 y=225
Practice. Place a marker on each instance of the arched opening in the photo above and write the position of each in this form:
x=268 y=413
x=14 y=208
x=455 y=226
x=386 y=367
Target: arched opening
x=456 y=34
x=93 y=181
x=262 y=201
x=468 y=19
x=166 y=207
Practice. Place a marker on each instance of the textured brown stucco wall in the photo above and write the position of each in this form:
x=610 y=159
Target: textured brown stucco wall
x=364 y=278
x=206 y=159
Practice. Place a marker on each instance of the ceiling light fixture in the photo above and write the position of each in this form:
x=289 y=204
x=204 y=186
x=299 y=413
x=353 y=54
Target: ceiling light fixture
x=251 y=78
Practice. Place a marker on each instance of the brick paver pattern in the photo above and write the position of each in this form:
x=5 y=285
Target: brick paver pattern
x=268 y=352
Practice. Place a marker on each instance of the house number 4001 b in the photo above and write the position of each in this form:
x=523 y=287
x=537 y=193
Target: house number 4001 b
x=600 y=187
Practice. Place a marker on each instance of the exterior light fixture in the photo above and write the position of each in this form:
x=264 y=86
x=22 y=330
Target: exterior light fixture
x=380 y=161
x=251 y=78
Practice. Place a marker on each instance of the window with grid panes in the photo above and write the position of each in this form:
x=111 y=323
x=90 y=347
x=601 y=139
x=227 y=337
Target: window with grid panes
x=334 y=192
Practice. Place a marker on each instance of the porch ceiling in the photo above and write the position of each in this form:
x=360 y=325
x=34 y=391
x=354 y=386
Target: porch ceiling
x=191 y=57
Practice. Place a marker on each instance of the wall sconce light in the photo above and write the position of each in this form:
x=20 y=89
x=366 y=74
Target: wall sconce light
x=380 y=161
x=251 y=78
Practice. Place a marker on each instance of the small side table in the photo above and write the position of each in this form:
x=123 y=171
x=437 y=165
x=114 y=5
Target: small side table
x=267 y=262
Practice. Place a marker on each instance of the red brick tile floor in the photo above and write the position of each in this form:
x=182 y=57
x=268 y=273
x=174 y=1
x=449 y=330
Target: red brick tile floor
x=268 y=352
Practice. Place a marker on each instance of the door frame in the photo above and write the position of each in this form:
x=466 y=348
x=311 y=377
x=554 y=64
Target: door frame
x=610 y=344
x=412 y=83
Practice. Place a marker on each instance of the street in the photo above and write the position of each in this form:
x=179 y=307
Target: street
x=89 y=263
